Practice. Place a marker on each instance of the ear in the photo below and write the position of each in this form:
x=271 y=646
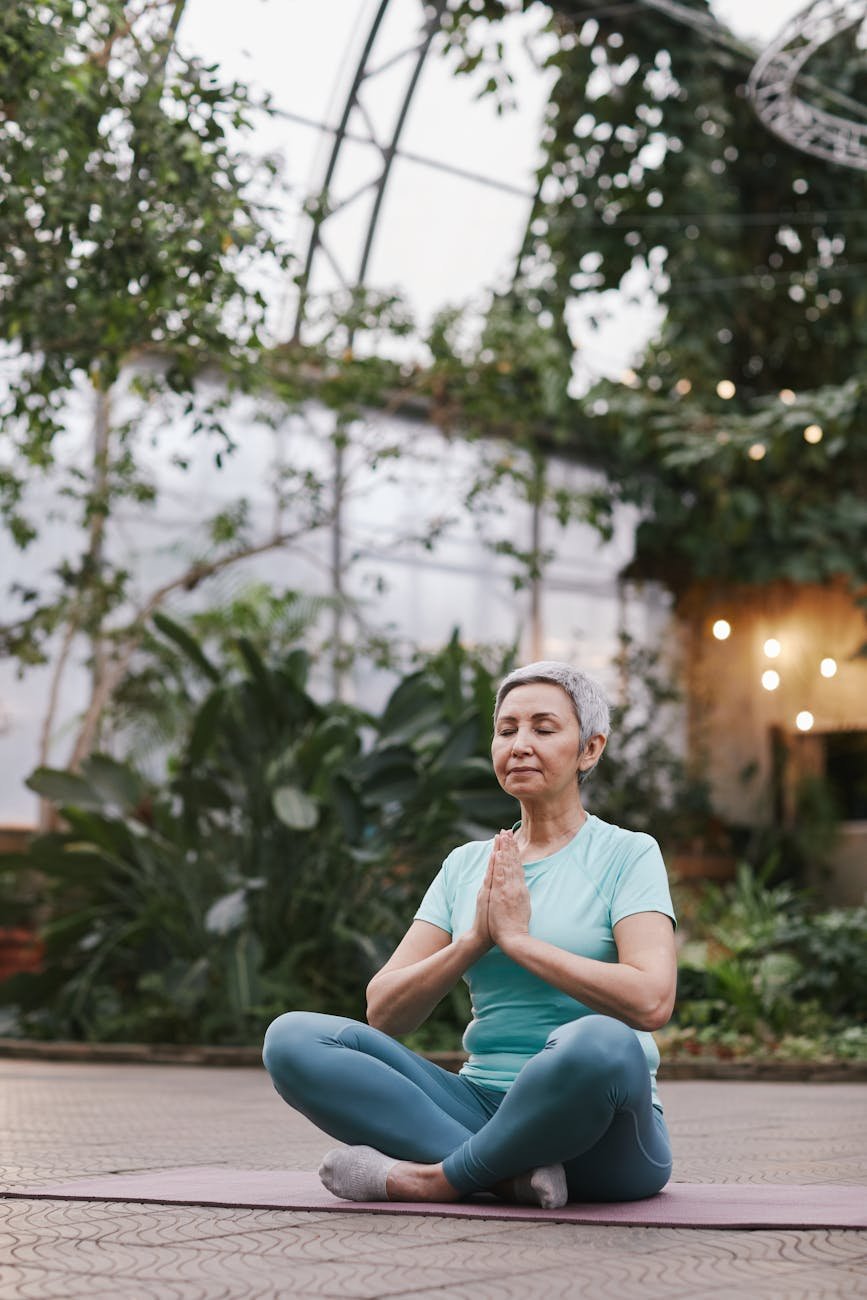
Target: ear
x=591 y=752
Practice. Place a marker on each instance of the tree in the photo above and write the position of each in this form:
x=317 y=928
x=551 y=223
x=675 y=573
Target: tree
x=133 y=234
x=654 y=164
x=136 y=238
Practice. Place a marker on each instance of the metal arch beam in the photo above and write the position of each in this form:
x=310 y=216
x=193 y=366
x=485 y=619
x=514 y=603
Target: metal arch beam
x=365 y=72
x=771 y=85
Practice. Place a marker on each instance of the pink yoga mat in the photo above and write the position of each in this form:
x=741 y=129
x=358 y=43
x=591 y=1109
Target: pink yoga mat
x=680 y=1205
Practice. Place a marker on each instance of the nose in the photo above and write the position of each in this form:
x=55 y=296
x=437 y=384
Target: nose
x=521 y=742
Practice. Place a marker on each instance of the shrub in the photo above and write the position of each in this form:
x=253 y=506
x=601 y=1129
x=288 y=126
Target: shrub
x=277 y=865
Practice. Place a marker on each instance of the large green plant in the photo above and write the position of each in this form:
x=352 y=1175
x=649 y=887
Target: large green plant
x=276 y=867
x=764 y=963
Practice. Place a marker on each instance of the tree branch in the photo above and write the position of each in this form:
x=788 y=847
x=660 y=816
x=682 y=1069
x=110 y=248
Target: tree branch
x=112 y=674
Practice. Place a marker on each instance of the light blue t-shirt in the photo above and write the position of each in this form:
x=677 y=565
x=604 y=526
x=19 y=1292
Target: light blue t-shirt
x=577 y=895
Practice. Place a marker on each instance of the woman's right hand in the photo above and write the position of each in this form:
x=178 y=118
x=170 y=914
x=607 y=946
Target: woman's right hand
x=480 y=931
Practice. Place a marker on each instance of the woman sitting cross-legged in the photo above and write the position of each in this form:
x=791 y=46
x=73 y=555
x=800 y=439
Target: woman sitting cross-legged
x=563 y=929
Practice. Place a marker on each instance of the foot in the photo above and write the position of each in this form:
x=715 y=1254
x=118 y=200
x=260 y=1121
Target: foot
x=365 y=1174
x=545 y=1187
x=356 y=1173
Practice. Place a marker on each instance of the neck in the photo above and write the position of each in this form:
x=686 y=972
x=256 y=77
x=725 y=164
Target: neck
x=544 y=826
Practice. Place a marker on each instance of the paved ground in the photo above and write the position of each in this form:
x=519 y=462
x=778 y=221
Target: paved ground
x=63 y=1121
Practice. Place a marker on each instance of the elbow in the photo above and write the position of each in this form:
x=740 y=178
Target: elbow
x=376 y=1011
x=377 y=1021
x=656 y=1014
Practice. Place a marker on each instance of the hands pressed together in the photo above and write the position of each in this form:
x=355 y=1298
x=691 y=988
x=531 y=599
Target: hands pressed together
x=503 y=903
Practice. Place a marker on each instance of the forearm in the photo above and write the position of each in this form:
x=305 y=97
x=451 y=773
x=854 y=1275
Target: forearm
x=611 y=988
x=398 y=1001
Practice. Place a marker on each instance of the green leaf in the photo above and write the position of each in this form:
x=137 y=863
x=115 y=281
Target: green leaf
x=349 y=808
x=205 y=727
x=412 y=706
x=185 y=641
x=295 y=808
x=460 y=743
x=116 y=782
x=63 y=788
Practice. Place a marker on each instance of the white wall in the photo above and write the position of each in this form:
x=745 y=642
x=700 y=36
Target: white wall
x=461 y=583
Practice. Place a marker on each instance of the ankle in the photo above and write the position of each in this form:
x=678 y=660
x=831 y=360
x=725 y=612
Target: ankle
x=416 y=1182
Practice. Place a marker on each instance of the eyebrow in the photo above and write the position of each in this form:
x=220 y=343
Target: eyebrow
x=535 y=717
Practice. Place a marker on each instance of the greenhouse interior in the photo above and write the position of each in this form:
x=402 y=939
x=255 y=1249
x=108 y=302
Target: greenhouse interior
x=355 y=354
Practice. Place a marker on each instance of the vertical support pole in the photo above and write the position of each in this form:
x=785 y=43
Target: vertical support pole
x=537 y=498
x=337 y=562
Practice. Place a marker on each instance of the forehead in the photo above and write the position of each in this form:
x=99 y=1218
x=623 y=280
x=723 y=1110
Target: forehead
x=537 y=697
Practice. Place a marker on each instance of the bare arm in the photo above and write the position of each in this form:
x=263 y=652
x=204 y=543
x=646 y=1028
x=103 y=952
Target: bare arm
x=424 y=966
x=418 y=975
x=639 y=988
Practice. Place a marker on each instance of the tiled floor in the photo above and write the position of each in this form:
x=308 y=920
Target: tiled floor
x=61 y=1121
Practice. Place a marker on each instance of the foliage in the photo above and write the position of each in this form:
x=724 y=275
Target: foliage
x=133 y=241
x=655 y=172
x=128 y=221
x=276 y=867
x=153 y=708
x=765 y=966
x=643 y=781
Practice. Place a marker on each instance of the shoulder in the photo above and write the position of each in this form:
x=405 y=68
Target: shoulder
x=466 y=857
x=622 y=846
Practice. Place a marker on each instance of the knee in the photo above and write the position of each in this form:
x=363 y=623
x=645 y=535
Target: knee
x=288 y=1040
x=594 y=1045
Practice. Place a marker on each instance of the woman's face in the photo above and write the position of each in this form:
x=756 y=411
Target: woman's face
x=536 y=742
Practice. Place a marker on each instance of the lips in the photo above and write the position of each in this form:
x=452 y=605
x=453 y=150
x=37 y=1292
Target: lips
x=521 y=771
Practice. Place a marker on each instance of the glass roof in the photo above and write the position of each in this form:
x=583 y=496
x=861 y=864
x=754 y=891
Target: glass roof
x=460 y=189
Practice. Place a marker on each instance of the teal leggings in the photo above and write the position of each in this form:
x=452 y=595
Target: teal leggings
x=583 y=1101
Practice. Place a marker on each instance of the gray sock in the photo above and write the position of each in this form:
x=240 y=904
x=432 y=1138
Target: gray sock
x=545 y=1186
x=356 y=1173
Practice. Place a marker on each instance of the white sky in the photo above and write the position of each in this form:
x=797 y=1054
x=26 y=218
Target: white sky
x=440 y=239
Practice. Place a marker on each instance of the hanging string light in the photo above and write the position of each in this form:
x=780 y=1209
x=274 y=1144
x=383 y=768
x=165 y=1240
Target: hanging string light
x=683 y=386
x=757 y=451
x=772 y=647
x=722 y=629
x=828 y=667
x=804 y=721
x=725 y=389
x=770 y=679
x=813 y=433
x=787 y=397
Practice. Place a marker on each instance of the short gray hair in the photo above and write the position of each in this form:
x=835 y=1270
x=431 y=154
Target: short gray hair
x=588 y=699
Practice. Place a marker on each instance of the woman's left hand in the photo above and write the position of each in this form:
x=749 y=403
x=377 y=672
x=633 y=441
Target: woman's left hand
x=509 y=907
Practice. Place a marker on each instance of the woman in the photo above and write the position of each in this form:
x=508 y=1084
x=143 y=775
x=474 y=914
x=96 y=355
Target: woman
x=563 y=929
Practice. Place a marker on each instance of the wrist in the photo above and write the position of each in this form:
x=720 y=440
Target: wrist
x=512 y=941
x=472 y=946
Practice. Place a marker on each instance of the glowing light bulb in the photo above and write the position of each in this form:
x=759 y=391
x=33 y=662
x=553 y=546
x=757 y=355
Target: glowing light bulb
x=770 y=679
x=828 y=667
x=758 y=451
x=804 y=720
x=772 y=647
x=787 y=397
x=683 y=386
x=722 y=630
x=725 y=389
x=813 y=433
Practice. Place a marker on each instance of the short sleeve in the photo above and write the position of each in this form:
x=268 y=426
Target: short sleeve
x=642 y=884
x=436 y=906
